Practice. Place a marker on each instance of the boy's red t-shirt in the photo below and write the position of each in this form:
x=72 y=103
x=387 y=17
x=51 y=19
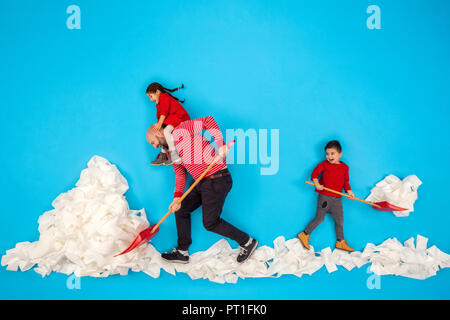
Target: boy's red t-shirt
x=334 y=176
x=172 y=109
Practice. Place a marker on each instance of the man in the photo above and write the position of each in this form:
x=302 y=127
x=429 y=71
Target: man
x=197 y=154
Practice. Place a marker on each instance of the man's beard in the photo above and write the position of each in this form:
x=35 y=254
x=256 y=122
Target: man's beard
x=162 y=143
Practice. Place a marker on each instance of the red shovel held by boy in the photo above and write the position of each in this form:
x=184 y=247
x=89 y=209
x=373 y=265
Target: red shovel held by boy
x=382 y=206
x=147 y=234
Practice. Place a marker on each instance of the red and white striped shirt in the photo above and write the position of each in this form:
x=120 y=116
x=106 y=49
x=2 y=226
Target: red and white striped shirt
x=195 y=151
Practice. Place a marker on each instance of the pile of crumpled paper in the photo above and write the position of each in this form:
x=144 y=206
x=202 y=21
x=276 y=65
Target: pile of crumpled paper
x=218 y=263
x=401 y=193
x=87 y=225
x=92 y=222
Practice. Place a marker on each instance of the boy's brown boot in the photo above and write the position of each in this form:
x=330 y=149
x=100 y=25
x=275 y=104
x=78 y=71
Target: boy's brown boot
x=343 y=246
x=304 y=238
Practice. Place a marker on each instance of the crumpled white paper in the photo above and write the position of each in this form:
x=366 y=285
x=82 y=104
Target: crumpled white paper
x=401 y=193
x=88 y=225
x=92 y=222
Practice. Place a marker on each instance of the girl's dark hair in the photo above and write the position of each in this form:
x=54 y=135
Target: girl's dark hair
x=156 y=86
x=334 y=144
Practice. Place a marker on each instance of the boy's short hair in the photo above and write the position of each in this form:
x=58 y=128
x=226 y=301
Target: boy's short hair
x=334 y=144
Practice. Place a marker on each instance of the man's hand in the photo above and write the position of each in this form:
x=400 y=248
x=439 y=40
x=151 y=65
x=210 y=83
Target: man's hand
x=351 y=194
x=175 y=206
x=223 y=151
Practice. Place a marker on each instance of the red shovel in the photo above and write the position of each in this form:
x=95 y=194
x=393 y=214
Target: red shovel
x=382 y=206
x=147 y=234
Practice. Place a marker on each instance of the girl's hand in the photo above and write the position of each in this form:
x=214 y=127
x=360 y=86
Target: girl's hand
x=175 y=206
x=157 y=126
x=351 y=194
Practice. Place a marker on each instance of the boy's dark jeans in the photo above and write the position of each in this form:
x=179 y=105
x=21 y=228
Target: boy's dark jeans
x=210 y=194
x=332 y=205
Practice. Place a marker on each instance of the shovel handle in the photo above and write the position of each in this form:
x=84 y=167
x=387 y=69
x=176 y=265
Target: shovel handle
x=345 y=195
x=229 y=145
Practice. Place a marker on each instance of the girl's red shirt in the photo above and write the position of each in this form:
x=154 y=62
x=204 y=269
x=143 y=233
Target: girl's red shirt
x=171 y=109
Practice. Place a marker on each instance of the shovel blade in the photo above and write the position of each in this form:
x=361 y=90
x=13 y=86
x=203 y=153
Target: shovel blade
x=386 y=206
x=143 y=237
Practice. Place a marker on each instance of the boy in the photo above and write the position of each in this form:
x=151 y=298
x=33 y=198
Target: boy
x=334 y=176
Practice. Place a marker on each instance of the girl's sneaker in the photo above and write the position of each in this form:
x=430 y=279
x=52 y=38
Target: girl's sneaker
x=160 y=159
x=176 y=256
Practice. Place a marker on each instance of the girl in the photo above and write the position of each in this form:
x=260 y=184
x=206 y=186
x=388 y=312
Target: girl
x=170 y=114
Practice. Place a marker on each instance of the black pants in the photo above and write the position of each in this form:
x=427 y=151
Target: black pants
x=210 y=194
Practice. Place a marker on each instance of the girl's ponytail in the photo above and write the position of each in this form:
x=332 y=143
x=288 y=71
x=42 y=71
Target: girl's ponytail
x=176 y=89
x=156 y=86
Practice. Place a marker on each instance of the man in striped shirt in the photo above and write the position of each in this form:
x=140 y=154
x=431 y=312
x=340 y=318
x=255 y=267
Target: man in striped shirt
x=197 y=153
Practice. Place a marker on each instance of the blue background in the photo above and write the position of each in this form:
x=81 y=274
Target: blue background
x=311 y=69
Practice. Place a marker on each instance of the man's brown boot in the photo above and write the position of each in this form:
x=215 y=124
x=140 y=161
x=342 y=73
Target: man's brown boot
x=343 y=246
x=304 y=238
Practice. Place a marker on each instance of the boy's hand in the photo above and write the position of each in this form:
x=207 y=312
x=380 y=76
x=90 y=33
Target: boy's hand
x=351 y=194
x=175 y=206
x=318 y=186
